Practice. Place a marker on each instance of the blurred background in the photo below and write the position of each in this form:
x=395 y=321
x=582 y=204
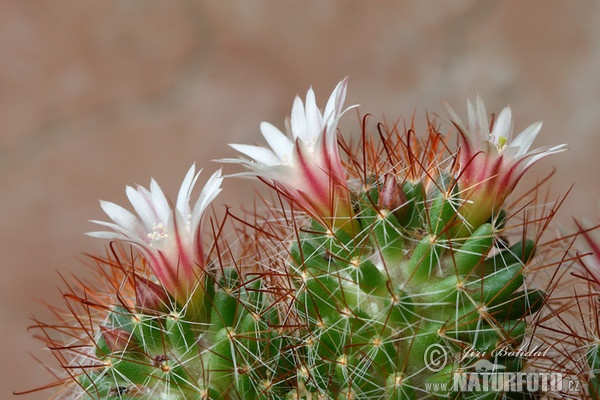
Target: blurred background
x=97 y=95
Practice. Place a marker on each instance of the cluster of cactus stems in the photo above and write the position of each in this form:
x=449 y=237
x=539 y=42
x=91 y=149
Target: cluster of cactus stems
x=377 y=271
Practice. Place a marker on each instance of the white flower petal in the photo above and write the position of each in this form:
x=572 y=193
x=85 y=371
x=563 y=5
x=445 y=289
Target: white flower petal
x=543 y=152
x=525 y=139
x=281 y=144
x=141 y=202
x=118 y=233
x=108 y=235
x=185 y=191
x=454 y=116
x=471 y=116
x=478 y=120
x=211 y=189
x=298 y=120
x=335 y=103
x=502 y=126
x=314 y=123
x=160 y=202
x=122 y=217
x=259 y=154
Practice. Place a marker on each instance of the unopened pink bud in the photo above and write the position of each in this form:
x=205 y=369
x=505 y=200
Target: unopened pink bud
x=392 y=198
x=150 y=296
x=116 y=339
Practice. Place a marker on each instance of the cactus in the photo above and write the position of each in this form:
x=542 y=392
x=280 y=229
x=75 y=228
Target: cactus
x=392 y=271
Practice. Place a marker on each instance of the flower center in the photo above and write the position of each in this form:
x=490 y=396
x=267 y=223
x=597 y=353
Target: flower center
x=501 y=143
x=159 y=231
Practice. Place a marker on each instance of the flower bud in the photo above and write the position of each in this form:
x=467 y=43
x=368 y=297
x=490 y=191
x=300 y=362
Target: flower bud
x=150 y=296
x=392 y=198
x=116 y=339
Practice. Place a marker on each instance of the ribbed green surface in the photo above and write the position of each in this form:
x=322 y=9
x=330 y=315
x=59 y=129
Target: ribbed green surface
x=364 y=310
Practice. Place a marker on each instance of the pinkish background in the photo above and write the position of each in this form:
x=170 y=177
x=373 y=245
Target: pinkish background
x=97 y=95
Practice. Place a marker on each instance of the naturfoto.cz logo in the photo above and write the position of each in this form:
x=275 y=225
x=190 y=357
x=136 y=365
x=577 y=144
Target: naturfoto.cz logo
x=486 y=376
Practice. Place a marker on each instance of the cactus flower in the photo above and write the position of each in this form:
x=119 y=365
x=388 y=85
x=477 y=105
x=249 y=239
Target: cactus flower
x=491 y=161
x=169 y=237
x=305 y=164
